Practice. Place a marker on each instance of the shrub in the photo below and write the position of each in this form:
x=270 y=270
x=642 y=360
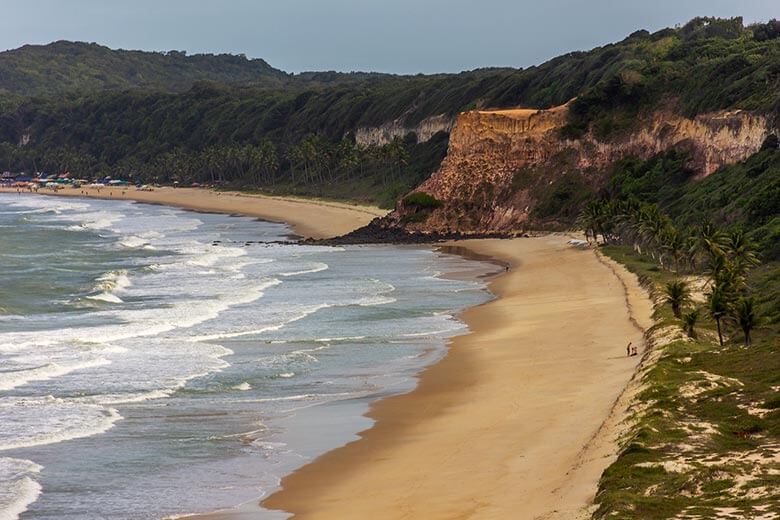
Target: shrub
x=422 y=200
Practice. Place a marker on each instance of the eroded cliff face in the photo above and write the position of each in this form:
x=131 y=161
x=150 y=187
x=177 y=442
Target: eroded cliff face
x=500 y=162
x=381 y=135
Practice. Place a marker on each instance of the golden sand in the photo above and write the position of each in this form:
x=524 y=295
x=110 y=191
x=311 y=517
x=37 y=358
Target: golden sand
x=517 y=421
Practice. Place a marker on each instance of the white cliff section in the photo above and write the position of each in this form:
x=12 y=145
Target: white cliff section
x=381 y=135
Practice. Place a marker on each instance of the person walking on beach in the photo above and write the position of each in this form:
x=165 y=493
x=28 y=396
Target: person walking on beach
x=628 y=349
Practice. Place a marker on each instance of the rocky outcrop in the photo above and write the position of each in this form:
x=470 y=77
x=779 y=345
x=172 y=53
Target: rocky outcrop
x=381 y=135
x=500 y=162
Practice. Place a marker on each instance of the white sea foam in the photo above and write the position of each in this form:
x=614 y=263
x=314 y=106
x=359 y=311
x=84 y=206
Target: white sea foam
x=343 y=338
x=371 y=301
x=13 y=379
x=129 y=398
x=440 y=332
x=202 y=288
x=316 y=268
x=108 y=285
x=133 y=242
x=48 y=420
x=106 y=297
x=18 y=487
x=270 y=328
x=91 y=221
x=113 y=281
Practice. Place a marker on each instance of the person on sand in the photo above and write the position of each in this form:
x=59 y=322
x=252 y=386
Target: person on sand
x=633 y=351
x=628 y=349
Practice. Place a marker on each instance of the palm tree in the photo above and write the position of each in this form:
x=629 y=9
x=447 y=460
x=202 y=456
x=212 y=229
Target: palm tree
x=673 y=242
x=689 y=322
x=709 y=241
x=742 y=251
x=719 y=305
x=745 y=314
x=590 y=220
x=676 y=295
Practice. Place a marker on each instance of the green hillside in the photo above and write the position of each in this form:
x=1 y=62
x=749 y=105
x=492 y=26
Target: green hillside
x=71 y=67
x=296 y=134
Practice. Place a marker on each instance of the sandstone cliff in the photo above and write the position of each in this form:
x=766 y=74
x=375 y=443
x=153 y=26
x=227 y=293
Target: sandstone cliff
x=499 y=162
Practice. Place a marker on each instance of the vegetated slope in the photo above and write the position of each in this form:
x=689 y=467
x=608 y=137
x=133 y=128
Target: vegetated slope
x=708 y=90
x=67 y=67
x=299 y=136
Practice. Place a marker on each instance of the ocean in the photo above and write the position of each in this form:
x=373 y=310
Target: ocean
x=156 y=361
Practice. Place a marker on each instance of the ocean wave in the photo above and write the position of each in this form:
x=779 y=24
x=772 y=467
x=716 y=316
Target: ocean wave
x=211 y=255
x=298 y=397
x=105 y=297
x=51 y=204
x=133 y=242
x=19 y=488
x=91 y=221
x=138 y=323
x=15 y=378
x=372 y=301
x=268 y=328
x=108 y=284
x=343 y=338
x=48 y=420
x=316 y=268
x=439 y=332
x=128 y=398
x=300 y=358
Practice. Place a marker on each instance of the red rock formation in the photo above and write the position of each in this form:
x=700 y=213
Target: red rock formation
x=498 y=160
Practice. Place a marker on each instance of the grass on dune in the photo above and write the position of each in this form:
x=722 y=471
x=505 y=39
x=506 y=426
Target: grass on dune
x=704 y=439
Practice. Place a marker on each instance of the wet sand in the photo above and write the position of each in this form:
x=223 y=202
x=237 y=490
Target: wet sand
x=518 y=420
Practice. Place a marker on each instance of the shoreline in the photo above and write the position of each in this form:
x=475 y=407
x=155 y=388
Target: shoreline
x=468 y=442
x=492 y=430
x=307 y=217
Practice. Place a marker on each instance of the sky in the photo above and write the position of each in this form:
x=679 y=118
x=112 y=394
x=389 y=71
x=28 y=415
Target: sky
x=398 y=36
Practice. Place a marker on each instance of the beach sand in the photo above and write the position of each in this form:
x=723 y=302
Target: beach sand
x=517 y=421
x=307 y=217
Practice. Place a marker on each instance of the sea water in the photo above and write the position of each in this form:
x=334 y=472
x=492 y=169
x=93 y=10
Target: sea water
x=155 y=361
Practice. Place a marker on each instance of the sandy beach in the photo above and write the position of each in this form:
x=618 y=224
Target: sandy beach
x=307 y=217
x=517 y=421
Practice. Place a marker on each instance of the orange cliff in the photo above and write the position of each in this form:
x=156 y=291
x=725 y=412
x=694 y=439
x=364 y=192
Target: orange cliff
x=499 y=162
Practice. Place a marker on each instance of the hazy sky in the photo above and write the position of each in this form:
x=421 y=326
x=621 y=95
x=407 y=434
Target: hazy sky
x=403 y=36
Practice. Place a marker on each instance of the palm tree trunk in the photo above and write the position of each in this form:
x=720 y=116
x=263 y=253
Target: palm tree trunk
x=720 y=334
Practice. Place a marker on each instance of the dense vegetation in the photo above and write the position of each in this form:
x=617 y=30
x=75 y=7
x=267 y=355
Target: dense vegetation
x=703 y=433
x=71 y=68
x=123 y=113
x=708 y=415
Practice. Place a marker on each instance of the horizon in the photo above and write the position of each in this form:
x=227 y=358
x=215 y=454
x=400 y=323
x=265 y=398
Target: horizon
x=309 y=37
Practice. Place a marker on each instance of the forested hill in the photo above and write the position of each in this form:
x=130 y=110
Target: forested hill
x=69 y=67
x=297 y=134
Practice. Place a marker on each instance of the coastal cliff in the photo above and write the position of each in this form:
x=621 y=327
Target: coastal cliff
x=502 y=165
x=424 y=130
